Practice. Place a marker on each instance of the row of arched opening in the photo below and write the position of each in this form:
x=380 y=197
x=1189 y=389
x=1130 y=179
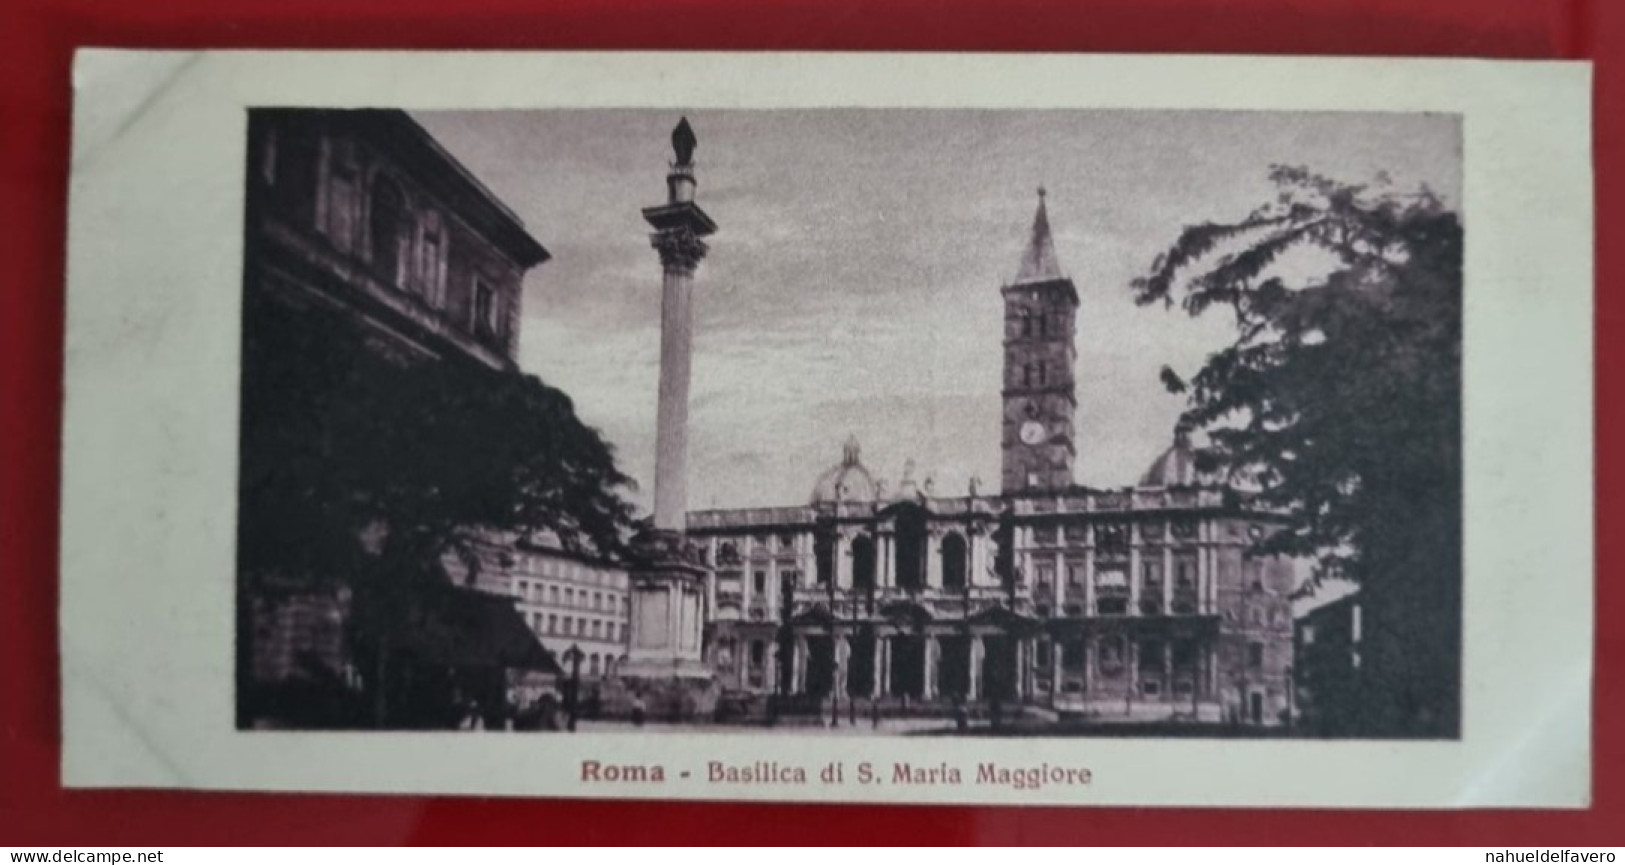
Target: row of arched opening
x=911 y=556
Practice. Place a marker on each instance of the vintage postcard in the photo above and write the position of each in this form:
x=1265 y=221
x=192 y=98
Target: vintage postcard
x=1052 y=430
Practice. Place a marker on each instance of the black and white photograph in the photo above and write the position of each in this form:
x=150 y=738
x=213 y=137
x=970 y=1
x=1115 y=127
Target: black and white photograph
x=882 y=422
x=1037 y=430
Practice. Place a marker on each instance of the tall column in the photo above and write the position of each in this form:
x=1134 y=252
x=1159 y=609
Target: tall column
x=666 y=559
x=976 y=652
x=843 y=563
x=1057 y=659
x=1212 y=671
x=1167 y=670
x=1091 y=652
x=798 y=678
x=885 y=666
x=877 y=687
x=1134 y=571
x=843 y=654
x=1063 y=579
x=1167 y=580
x=885 y=577
x=1202 y=576
x=933 y=652
x=1089 y=581
x=1133 y=655
x=770 y=666
x=679 y=226
x=1024 y=668
x=978 y=558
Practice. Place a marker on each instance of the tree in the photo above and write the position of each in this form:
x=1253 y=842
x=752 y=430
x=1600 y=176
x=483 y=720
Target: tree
x=1338 y=402
x=366 y=469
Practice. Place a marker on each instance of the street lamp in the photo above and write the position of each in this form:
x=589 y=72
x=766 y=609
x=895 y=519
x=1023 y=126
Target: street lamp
x=572 y=688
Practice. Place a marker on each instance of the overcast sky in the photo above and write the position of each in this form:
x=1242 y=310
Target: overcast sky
x=853 y=286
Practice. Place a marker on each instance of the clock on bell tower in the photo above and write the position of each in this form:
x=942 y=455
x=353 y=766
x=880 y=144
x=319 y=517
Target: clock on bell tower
x=1040 y=320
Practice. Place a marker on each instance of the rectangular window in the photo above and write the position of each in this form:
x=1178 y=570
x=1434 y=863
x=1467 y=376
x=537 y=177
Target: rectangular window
x=1074 y=573
x=485 y=309
x=1046 y=573
x=1255 y=656
x=1112 y=539
x=1185 y=572
x=597 y=600
x=758 y=582
x=343 y=194
x=432 y=260
x=1151 y=574
x=552 y=623
x=569 y=597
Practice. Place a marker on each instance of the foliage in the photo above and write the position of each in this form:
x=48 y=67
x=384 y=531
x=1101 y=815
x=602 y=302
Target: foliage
x=341 y=440
x=1339 y=399
x=363 y=470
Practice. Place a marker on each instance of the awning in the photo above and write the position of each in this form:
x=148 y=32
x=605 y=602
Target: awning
x=461 y=627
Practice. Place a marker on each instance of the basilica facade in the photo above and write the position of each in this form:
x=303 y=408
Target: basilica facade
x=1045 y=597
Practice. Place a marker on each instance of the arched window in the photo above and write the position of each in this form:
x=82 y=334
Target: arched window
x=954 y=565
x=863 y=563
x=386 y=225
x=824 y=558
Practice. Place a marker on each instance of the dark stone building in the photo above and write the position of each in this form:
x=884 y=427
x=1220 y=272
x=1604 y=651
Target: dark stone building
x=360 y=221
x=1329 y=672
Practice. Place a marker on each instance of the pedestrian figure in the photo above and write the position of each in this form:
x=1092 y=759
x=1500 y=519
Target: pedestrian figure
x=874 y=713
x=637 y=710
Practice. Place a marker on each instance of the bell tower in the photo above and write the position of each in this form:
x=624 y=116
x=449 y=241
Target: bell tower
x=1040 y=399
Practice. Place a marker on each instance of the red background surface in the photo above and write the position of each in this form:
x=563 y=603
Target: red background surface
x=37 y=39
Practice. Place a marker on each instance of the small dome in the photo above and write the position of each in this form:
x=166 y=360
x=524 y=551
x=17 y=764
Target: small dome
x=847 y=481
x=1177 y=466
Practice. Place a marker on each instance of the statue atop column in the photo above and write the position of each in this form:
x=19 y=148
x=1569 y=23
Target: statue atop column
x=682 y=143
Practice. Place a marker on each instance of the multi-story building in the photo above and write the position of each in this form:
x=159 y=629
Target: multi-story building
x=1140 y=602
x=568 y=599
x=361 y=218
x=1328 y=673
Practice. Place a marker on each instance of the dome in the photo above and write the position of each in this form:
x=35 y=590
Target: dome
x=1177 y=466
x=847 y=481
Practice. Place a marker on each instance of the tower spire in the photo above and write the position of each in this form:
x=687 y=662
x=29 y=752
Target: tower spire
x=1038 y=262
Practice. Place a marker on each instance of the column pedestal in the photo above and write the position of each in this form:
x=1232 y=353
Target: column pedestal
x=665 y=666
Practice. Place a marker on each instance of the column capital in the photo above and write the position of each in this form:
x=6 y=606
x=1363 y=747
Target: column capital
x=681 y=249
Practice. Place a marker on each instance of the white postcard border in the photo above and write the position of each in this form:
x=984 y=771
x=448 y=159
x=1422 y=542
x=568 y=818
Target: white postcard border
x=150 y=430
